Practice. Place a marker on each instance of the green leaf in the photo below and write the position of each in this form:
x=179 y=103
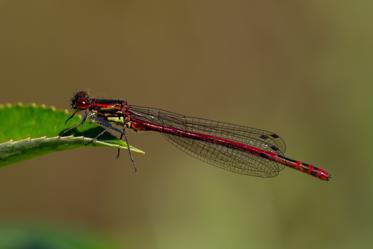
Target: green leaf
x=27 y=131
x=45 y=237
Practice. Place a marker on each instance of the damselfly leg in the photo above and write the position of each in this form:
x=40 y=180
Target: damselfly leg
x=107 y=126
x=84 y=118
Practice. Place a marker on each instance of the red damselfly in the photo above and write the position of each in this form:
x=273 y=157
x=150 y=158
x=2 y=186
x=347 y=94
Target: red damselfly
x=236 y=148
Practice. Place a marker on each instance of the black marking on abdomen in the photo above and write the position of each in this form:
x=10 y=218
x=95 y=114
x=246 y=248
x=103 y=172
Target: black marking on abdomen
x=264 y=155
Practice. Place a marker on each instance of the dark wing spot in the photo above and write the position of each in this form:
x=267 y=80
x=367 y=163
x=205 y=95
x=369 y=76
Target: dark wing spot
x=274 y=135
x=264 y=136
x=274 y=148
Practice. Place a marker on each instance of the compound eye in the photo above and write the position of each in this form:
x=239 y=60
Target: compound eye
x=82 y=103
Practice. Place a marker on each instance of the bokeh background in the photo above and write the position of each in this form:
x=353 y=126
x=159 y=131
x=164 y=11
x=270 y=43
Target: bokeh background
x=299 y=68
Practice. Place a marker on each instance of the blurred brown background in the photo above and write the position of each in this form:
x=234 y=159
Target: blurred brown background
x=299 y=68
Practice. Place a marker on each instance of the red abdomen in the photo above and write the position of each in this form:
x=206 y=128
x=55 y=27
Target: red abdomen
x=304 y=167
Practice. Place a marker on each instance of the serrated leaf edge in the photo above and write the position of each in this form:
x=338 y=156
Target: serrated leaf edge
x=70 y=138
x=34 y=105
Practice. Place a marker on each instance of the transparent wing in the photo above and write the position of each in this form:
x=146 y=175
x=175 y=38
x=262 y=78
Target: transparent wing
x=224 y=157
x=255 y=137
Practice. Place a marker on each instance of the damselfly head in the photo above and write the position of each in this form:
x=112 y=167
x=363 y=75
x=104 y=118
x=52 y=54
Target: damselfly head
x=80 y=101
